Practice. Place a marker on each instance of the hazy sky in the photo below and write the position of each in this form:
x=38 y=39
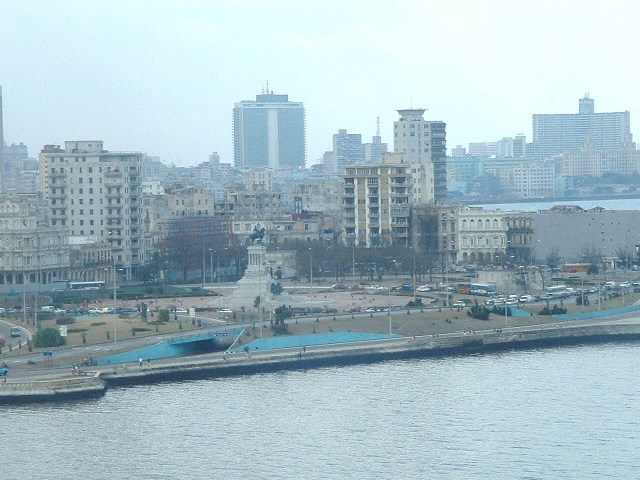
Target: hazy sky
x=162 y=76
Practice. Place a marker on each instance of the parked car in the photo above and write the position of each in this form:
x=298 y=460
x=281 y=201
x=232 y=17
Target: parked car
x=425 y=288
x=3 y=371
x=339 y=286
x=459 y=304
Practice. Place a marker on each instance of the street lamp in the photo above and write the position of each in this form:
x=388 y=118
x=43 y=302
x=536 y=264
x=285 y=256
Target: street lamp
x=311 y=269
x=211 y=264
x=115 y=317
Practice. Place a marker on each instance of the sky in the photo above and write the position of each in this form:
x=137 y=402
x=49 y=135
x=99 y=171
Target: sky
x=162 y=77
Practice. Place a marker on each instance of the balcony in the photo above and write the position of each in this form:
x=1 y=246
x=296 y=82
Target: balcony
x=113 y=193
x=57 y=174
x=58 y=195
x=112 y=182
x=113 y=173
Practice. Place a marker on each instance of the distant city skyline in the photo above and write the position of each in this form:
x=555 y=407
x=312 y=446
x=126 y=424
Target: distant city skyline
x=167 y=85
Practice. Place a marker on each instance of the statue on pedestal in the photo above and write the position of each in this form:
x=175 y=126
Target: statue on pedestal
x=257 y=235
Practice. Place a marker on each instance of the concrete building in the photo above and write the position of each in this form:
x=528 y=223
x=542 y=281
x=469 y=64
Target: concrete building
x=533 y=180
x=269 y=132
x=373 y=151
x=375 y=204
x=96 y=194
x=574 y=232
x=2 y=172
x=189 y=201
x=597 y=162
x=482 y=235
x=422 y=141
x=348 y=149
x=32 y=251
x=434 y=232
x=559 y=133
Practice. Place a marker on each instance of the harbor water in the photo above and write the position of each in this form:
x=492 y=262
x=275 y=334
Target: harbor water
x=569 y=413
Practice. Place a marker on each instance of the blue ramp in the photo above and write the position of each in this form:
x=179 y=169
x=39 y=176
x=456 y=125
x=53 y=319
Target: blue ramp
x=293 y=341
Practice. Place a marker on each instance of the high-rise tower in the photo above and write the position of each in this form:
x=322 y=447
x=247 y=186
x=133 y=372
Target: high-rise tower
x=422 y=141
x=269 y=132
x=2 y=171
x=569 y=132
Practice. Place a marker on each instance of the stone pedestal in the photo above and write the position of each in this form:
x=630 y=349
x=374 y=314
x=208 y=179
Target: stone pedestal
x=255 y=282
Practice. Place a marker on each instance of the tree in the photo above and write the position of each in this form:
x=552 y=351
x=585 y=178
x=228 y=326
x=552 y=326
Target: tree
x=163 y=315
x=279 y=326
x=48 y=337
x=591 y=255
x=479 y=312
x=553 y=259
x=592 y=270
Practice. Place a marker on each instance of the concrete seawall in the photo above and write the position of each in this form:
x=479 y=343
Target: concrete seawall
x=52 y=389
x=94 y=383
x=212 y=366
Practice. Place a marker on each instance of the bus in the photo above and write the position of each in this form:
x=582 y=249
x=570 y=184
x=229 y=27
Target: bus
x=575 y=267
x=483 y=289
x=86 y=285
x=557 y=291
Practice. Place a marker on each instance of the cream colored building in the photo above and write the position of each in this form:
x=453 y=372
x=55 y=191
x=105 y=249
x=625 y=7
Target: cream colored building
x=596 y=162
x=31 y=249
x=96 y=194
x=482 y=235
x=189 y=201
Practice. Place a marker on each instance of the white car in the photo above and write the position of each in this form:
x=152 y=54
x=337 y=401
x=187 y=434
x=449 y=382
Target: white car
x=424 y=288
x=459 y=304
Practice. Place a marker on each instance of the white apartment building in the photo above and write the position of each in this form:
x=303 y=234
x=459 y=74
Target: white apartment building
x=482 y=235
x=377 y=199
x=534 y=180
x=423 y=141
x=97 y=194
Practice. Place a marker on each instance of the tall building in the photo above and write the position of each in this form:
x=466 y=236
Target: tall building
x=422 y=141
x=2 y=173
x=269 y=132
x=97 y=195
x=559 y=133
x=377 y=199
x=348 y=149
x=373 y=151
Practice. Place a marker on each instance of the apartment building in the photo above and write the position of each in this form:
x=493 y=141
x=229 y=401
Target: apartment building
x=96 y=194
x=32 y=251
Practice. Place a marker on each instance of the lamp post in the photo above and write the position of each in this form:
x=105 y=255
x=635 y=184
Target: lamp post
x=353 y=261
x=311 y=269
x=115 y=317
x=413 y=278
x=389 y=307
x=211 y=264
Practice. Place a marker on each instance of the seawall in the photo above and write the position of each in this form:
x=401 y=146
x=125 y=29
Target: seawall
x=216 y=365
x=61 y=387
x=54 y=389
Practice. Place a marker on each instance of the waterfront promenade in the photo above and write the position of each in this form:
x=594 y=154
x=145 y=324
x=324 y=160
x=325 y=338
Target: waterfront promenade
x=58 y=384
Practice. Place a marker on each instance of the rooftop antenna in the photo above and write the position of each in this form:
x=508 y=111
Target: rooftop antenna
x=377 y=126
x=267 y=87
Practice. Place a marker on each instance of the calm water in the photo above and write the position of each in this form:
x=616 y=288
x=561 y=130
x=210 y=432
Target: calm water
x=569 y=413
x=613 y=204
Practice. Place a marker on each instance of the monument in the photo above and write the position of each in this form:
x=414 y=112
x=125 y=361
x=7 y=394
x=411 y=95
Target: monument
x=257 y=282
